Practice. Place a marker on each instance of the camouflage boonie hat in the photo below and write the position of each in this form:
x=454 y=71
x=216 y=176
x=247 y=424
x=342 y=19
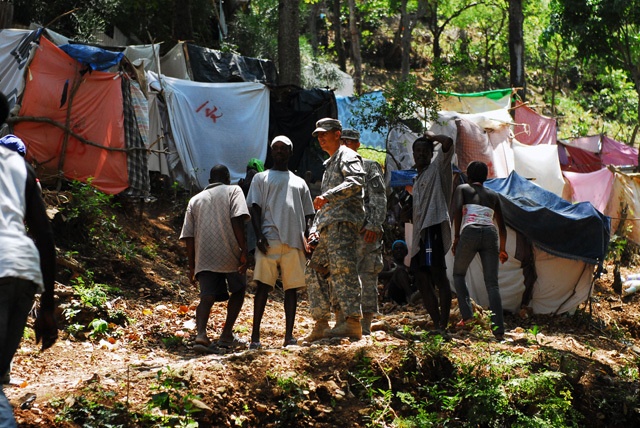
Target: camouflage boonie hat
x=350 y=134
x=327 y=124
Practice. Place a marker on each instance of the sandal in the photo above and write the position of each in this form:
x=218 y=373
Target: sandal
x=291 y=342
x=203 y=342
x=236 y=343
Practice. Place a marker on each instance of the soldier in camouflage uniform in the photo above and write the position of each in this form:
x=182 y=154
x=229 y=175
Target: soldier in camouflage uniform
x=337 y=226
x=370 y=248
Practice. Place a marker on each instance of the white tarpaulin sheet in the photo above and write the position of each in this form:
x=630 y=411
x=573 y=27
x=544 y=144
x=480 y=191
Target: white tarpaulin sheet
x=217 y=123
x=174 y=63
x=540 y=164
x=15 y=52
x=149 y=55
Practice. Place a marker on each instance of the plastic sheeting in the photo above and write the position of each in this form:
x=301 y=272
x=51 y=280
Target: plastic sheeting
x=96 y=115
x=347 y=106
x=16 y=47
x=96 y=58
x=539 y=163
x=625 y=196
x=294 y=112
x=573 y=231
x=532 y=128
x=148 y=55
x=217 y=123
x=476 y=102
x=594 y=187
x=208 y=65
x=617 y=153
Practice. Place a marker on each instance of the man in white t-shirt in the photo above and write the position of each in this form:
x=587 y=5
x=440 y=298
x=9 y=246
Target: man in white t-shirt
x=281 y=208
x=213 y=231
x=27 y=268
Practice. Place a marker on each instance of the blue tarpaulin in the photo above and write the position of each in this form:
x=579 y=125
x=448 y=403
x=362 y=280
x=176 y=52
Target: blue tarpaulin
x=96 y=58
x=346 y=108
x=573 y=231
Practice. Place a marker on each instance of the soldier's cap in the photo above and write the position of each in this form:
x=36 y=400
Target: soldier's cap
x=282 y=139
x=327 y=124
x=350 y=134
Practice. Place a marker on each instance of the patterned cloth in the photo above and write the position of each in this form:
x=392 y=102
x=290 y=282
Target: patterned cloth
x=208 y=221
x=137 y=150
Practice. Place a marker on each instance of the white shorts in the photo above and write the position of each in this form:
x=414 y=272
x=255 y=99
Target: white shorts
x=291 y=261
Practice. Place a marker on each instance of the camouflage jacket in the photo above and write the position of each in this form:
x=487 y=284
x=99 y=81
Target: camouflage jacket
x=375 y=196
x=343 y=187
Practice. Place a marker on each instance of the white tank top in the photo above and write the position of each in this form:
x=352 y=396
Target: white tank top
x=477 y=215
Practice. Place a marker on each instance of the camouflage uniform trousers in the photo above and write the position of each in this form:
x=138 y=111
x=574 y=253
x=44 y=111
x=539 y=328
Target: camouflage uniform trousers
x=369 y=266
x=337 y=250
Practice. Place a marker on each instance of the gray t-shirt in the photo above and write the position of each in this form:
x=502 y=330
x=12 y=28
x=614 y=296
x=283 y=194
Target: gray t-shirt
x=285 y=200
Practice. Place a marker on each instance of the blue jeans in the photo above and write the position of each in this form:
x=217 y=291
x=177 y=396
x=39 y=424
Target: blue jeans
x=484 y=241
x=16 y=300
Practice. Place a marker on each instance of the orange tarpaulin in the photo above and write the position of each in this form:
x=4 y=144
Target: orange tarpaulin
x=96 y=115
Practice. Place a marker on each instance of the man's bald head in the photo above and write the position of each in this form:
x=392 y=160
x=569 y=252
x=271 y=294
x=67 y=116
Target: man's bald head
x=219 y=174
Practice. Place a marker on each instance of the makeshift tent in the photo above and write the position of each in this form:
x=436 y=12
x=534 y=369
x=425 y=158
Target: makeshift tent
x=588 y=154
x=553 y=249
x=349 y=106
x=476 y=102
x=96 y=115
x=215 y=123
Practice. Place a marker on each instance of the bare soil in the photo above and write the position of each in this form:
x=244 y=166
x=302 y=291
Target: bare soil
x=151 y=338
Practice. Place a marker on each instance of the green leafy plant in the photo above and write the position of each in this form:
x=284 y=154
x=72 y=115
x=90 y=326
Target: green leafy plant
x=173 y=397
x=98 y=327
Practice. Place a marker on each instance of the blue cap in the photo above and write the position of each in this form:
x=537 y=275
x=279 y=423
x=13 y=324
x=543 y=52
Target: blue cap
x=398 y=242
x=14 y=143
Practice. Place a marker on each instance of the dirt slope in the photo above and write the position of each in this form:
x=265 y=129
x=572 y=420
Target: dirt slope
x=321 y=385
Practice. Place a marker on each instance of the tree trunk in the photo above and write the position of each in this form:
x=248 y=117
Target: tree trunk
x=337 y=32
x=313 y=28
x=406 y=40
x=355 y=48
x=6 y=14
x=182 y=22
x=516 y=47
x=289 y=42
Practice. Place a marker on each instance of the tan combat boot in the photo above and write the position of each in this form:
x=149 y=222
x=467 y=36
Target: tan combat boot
x=367 y=317
x=339 y=316
x=350 y=328
x=318 y=331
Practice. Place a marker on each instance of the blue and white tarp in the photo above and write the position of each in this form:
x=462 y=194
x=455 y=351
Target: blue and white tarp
x=574 y=231
x=217 y=123
x=347 y=106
